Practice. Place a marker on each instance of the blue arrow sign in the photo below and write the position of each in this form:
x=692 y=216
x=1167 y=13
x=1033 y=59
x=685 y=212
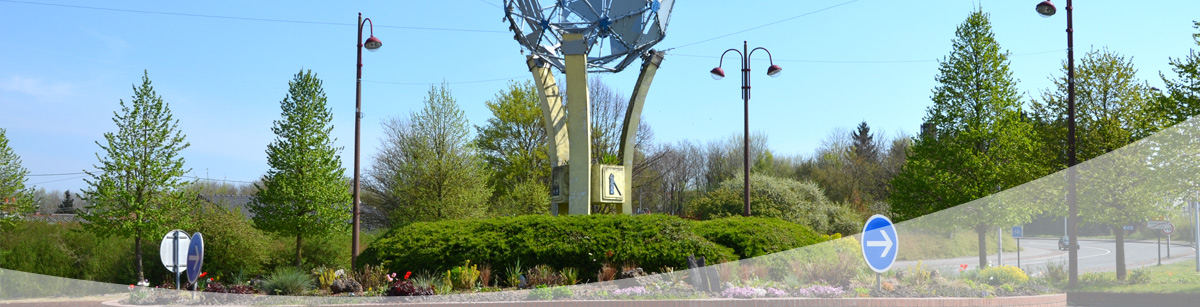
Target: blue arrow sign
x=195 y=257
x=879 y=243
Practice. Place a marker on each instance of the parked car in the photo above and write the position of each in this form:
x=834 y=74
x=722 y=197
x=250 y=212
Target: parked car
x=1063 y=242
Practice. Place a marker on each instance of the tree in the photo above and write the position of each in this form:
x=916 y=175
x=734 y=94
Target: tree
x=864 y=143
x=1113 y=109
x=1182 y=99
x=513 y=144
x=975 y=142
x=137 y=189
x=305 y=192
x=428 y=168
x=15 y=197
x=67 y=206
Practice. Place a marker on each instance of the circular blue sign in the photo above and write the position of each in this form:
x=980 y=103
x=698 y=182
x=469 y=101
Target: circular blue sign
x=879 y=243
x=195 y=257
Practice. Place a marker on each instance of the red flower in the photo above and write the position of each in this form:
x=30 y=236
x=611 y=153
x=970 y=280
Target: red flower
x=210 y=279
x=202 y=275
x=407 y=274
x=130 y=287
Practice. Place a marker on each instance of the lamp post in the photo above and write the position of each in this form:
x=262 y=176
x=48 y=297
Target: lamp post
x=372 y=44
x=717 y=74
x=1046 y=9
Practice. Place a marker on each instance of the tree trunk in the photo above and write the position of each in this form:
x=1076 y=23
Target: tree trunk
x=1120 y=253
x=298 y=241
x=981 y=231
x=137 y=252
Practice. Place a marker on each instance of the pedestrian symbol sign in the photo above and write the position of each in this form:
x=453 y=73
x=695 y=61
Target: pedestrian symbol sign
x=879 y=243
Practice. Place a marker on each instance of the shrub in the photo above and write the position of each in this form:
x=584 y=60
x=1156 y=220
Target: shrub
x=287 y=281
x=565 y=241
x=1055 y=272
x=1003 y=275
x=64 y=250
x=758 y=236
x=1139 y=277
x=370 y=277
x=542 y=275
x=463 y=277
x=231 y=243
x=407 y=288
x=217 y=287
x=790 y=200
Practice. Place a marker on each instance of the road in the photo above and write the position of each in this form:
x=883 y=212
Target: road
x=1095 y=255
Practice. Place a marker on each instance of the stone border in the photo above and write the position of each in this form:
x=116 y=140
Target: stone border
x=1103 y=299
x=1051 y=300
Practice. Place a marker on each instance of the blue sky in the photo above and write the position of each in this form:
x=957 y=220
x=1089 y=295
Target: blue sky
x=224 y=65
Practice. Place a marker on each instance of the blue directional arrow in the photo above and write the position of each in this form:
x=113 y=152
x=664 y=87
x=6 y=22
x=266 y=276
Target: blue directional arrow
x=879 y=243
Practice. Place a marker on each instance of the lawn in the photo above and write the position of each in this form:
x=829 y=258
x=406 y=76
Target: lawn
x=1179 y=277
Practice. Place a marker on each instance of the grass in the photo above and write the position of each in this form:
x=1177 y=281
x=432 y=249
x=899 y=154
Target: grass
x=918 y=245
x=1179 y=277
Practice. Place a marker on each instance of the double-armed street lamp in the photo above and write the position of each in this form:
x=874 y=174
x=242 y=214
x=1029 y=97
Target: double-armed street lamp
x=1046 y=9
x=717 y=74
x=371 y=44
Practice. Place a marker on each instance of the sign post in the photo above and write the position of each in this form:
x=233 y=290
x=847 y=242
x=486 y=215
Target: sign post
x=1017 y=233
x=172 y=250
x=1168 y=232
x=879 y=245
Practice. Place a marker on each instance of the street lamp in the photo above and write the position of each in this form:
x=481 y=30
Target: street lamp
x=372 y=44
x=1046 y=9
x=717 y=74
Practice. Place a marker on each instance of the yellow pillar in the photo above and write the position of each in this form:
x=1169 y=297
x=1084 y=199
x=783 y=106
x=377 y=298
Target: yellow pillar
x=633 y=116
x=555 y=117
x=579 y=199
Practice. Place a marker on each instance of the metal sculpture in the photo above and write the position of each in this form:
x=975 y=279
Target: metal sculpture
x=577 y=37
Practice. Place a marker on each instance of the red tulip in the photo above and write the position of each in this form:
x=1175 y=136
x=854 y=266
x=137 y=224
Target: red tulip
x=407 y=274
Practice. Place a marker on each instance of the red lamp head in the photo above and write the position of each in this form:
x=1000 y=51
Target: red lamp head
x=717 y=73
x=774 y=70
x=373 y=43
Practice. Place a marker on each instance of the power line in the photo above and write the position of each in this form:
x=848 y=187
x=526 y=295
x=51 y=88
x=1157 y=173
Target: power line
x=861 y=61
x=244 y=18
x=765 y=25
x=59 y=174
x=428 y=83
x=57 y=180
x=68 y=174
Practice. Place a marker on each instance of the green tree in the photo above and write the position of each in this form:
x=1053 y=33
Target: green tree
x=67 y=206
x=975 y=142
x=305 y=192
x=513 y=144
x=428 y=168
x=1113 y=109
x=15 y=197
x=137 y=189
x=1182 y=99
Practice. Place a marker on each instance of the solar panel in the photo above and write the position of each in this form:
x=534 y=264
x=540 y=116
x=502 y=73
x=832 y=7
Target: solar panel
x=616 y=32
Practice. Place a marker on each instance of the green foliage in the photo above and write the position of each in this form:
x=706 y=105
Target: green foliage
x=793 y=201
x=232 y=244
x=324 y=277
x=304 y=191
x=15 y=197
x=427 y=168
x=1003 y=275
x=570 y=241
x=464 y=276
x=543 y=293
x=570 y=276
x=1182 y=99
x=527 y=197
x=371 y=277
x=1139 y=277
x=512 y=274
x=287 y=280
x=65 y=250
x=756 y=236
x=513 y=142
x=138 y=191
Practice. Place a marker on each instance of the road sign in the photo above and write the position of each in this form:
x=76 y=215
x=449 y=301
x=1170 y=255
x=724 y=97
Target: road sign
x=879 y=243
x=1170 y=229
x=195 y=257
x=173 y=251
x=1018 y=231
x=1158 y=224
x=1128 y=227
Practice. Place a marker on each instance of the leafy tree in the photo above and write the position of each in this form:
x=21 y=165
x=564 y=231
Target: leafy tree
x=1182 y=99
x=976 y=141
x=428 y=168
x=137 y=190
x=1113 y=109
x=67 y=206
x=513 y=144
x=15 y=197
x=305 y=192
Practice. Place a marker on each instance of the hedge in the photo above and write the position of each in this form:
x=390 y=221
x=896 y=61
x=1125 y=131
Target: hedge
x=756 y=236
x=581 y=242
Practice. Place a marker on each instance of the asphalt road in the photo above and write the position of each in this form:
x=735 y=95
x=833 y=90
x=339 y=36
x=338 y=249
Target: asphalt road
x=1094 y=256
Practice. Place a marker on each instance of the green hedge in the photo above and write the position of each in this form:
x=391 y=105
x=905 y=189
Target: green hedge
x=756 y=236
x=582 y=242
